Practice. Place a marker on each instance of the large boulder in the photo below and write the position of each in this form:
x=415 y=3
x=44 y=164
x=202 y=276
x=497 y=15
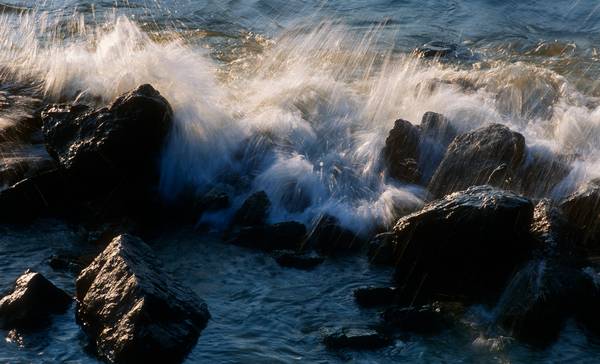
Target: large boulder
x=488 y=155
x=582 y=209
x=133 y=310
x=467 y=245
x=401 y=152
x=32 y=301
x=111 y=146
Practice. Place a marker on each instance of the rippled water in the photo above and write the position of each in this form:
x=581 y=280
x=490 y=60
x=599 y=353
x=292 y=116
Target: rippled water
x=310 y=90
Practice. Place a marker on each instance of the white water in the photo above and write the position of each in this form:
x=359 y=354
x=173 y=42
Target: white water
x=303 y=116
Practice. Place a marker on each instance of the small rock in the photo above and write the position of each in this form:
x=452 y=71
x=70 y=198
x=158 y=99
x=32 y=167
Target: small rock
x=355 y=338
x=582 y=210
x=32 y=301
x=401 y=152
x=329 y=237
x=291 y=259
x=254 y=210
x=382 y=249
x=287 y=235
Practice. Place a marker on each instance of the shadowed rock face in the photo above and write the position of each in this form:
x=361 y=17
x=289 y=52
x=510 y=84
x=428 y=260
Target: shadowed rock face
x=488 y=155
x=582 y=209
x=32 y=301
x=465 y=245
x=135 y=312
x=108 y=145
x=401 y=152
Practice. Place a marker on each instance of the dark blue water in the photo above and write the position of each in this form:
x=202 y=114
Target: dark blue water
x=327 y=78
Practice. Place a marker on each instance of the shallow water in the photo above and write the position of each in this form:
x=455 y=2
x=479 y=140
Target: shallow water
x=309 y=89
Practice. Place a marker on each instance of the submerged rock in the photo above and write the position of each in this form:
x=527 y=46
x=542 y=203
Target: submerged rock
x=465 y=245
x=133 y=310
x=401 y=152
x=355 y=338
x=254 y=211
x=292 y=259
x=582 y=209
x=375 y=296
x=330 y=237
x=32 y=301
x=488 y=155
x=119 y=144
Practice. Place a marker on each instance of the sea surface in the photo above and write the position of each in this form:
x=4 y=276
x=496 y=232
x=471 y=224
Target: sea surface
x=296 y=98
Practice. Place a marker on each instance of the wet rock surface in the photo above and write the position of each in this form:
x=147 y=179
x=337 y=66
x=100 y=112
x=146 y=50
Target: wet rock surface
x=254 y=211
x=329 y=237
x=355 y=338
x=467 y=244
x=133 y=311
x=382 y=249
x=32 y=301
x=488 y=155
x=292 y=259
x=375 y=296
x=556 y=236
x=401 y=152
x=582 y=209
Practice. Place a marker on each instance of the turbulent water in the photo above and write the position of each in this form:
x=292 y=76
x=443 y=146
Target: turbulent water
x=296 y=98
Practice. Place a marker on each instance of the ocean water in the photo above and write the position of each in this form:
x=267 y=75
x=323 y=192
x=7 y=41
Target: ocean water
x=296 y=98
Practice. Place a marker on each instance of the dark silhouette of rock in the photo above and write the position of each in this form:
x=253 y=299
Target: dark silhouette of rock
x=107 y=147
x=553 y=231
x=438 y=127
x=541 y=172
x=582 y=209
x=287 y=235
x=539 y=299
x=133 y=311
x=488 y=155
x=375 y=296
x=401 y=152
x=382 y=249
x=355 y=338
x=32 y=301
x=467 y=244
x=329 y=237
x=254 y=211
x=19 y=162
x=292 y=259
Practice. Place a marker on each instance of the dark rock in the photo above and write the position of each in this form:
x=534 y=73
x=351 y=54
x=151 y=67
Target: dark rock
x=213 y=200
x=32 y=301
x=401 y=152
x=586 y=305
x=488 y=155
x=436 y=49
x=465 y=245
x=107 y=147
x=254 y=211
x=287 y=235
x=424 y=320
x=329 y=237
x=552 y=230
x=292 y=259
x=355 y=338
x=438 y=127
x=539 y=299
x=133 y=310
x=382 y=249
x=19 y=163
x=582 y=209
x=375 y=296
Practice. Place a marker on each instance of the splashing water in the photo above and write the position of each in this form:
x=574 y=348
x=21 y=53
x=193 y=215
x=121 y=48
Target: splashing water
x=304 y=115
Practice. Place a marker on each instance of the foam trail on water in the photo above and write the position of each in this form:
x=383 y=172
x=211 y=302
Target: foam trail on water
x=303 y=116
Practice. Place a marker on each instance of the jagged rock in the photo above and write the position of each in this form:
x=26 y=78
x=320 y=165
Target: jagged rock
x=467 y=244
x=33 y=300
x=330 y=237
x=488 y=155
x=254 y=211
x=539 y=299
x=287 y=235
x=133 y=310
x=375 y=296
x=355 y=338
x=582 y=209
x=108 y=147
x=423 y=320
x=292 y=259
x=401 y=152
